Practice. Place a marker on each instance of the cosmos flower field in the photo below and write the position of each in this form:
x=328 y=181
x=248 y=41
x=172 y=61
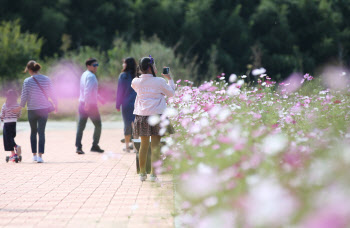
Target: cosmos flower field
x=261 y=154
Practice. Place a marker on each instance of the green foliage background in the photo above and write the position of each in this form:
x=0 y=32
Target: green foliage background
x=213 y=36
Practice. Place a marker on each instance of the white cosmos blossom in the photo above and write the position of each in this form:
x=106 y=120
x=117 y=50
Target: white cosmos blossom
x=269 y=204
x=229 y=152
x=204 y=121
x=233 y=90
x=264 y=83
x=320 y=170
x=201 y=183
x=186 y=98
x=153 y=120
x=274 y=144
x=170 y=112
x=243 y=76
x=211 y=201
x=164 y=123
x=232 y=78
x=195 y=128
x=219 y=218
x=240 y=82
x=204 y=169
x=169 y=141
x=186 y=111
x=259 y=71
x=215 y=110
x=164 y=149
x=162 y=131
x=224 y=114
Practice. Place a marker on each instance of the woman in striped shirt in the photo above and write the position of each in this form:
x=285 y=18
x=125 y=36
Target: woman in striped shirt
x=38 y=105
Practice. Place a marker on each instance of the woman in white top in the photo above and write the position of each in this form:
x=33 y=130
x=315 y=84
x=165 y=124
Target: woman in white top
x=150 y=101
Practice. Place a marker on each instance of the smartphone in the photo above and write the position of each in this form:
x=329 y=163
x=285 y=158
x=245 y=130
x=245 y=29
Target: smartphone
x=166 y=70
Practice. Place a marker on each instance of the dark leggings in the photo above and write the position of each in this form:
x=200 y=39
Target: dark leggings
x=37 y=120
x=128 y=118
x=9 y=135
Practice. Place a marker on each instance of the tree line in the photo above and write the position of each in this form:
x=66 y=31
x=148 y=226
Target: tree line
x=283 y=36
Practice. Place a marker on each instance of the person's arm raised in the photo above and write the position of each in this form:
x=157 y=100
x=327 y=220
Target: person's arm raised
x=168 y=88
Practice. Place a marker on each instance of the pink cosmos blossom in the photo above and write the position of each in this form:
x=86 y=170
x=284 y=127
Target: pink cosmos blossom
x=257 y=116
x=230 y=185
x=158 y=163
x=216 y=146
x=212 y=88
x=224 y=139
x=335 y=216
x=243 y=97
x=240 y=145
x=308 y=77
x=288 y=119
x=293 y=159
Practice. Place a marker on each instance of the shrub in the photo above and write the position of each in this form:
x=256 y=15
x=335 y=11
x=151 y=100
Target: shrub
x=16 y=49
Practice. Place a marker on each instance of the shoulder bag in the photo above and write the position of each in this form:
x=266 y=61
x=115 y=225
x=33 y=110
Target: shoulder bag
x=52 y=107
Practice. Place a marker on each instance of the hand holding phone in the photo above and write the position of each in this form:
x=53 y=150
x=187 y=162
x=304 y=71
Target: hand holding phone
x=166 y=70
x=166 y=73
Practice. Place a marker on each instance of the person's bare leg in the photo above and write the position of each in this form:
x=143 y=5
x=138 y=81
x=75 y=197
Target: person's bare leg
x=134 y=136
x=155 y=148
x=143 y=153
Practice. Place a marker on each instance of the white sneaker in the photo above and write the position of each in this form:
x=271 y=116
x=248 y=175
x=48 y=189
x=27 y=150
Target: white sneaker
x=40 y=160
x=35 y=158
x=143 y=176
x=153 y=178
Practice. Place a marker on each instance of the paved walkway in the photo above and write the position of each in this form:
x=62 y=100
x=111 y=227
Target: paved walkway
x=70 y=190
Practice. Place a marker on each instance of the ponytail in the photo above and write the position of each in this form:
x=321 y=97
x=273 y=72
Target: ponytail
x=154 y=75
x=145 y=63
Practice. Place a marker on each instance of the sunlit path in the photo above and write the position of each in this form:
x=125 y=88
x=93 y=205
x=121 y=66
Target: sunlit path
x=70 y=190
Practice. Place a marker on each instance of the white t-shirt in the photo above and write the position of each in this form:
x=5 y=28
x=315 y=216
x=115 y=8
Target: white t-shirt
x=151 y=92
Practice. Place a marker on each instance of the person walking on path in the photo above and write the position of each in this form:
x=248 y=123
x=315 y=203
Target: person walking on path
x=88 y=107
x=126 y=98
x=9 y=117
x=36 y=91
x=150 y=101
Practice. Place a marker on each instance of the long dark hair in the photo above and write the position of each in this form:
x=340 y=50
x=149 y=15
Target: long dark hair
x=11 y=97
x=130 y=66
x=145 y=63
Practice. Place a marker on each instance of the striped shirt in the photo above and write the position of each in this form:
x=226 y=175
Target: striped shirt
x=34 y=96
x=9 y=116
x=88 y=88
